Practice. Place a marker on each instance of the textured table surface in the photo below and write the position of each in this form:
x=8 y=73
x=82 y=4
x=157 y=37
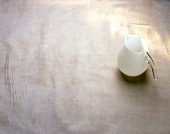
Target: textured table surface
x=58 y=70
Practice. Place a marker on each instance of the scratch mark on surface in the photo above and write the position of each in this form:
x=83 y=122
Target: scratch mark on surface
x=4 y=120
x=7 y=76
x=9 y=82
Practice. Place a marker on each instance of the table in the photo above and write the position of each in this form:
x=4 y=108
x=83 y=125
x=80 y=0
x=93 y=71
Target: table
x=58 y=69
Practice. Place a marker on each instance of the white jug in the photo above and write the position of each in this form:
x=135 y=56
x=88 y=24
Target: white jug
x=133 y=58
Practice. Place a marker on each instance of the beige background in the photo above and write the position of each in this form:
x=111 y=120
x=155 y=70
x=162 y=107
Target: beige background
x=58 y=70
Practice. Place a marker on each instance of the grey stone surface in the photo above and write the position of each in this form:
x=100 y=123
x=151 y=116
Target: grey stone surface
x=58 y=70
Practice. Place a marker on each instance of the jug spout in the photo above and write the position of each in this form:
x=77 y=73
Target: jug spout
x=128 y=36
x=152 y=65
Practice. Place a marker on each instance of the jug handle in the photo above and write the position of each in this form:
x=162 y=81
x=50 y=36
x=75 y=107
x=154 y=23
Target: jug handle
x=152 y=65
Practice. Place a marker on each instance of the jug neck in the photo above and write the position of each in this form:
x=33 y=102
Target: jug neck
x=135 y=44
